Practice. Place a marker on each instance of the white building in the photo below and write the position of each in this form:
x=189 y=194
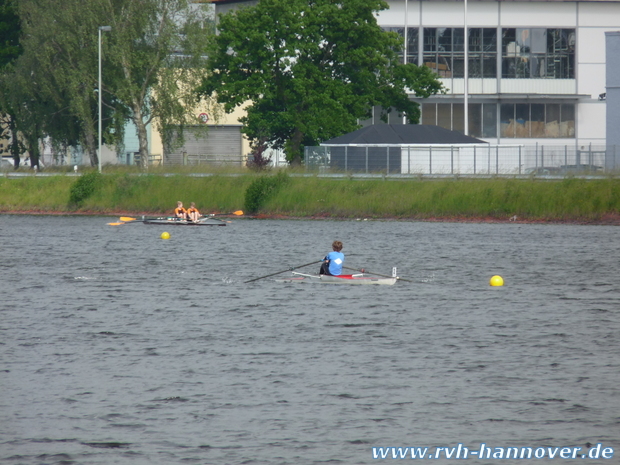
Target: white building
x=536 y=69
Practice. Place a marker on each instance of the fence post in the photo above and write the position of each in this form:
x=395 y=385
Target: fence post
x=474 y=159
x=565 y=155
x=542 y=156
x=430 y=159
x=452 y=159
x=496 y=158
x=387 y=169
x=408 y=159
x=520 y=164
x=346 y=154
x=366 y=159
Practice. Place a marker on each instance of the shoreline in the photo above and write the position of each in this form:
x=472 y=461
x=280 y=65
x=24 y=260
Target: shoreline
x=610 y=219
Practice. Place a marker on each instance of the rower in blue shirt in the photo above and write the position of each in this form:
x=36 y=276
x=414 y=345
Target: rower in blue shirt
x=333 y=261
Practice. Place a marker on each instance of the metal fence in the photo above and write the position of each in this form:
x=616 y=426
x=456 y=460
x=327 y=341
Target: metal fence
x=467 y=159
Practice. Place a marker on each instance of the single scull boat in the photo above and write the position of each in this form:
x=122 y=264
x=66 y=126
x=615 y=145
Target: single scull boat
x=342 y=279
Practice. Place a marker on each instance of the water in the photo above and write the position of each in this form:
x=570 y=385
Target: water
x=118 y=347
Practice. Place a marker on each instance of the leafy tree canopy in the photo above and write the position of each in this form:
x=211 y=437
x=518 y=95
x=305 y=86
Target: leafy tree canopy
x=310 y=69
x=9 y=33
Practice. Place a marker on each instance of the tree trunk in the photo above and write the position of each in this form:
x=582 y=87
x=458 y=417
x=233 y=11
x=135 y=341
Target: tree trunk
x=91 y=147
x=33 y=150
x=142 y=137
x=294 y=148
x=15 y=149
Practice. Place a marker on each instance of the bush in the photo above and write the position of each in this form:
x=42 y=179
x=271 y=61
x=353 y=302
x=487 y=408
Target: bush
x=84 y=187
x=262 y=189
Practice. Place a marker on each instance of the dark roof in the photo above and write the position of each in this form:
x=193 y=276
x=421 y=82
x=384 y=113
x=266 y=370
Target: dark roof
x=403 y=134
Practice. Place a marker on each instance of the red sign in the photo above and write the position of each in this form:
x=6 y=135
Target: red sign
x=204 y=118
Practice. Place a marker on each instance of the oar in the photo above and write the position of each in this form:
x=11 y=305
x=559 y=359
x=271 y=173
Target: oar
x=237 y=213
x=283 y=271
x=378 y=274
x=124 y=220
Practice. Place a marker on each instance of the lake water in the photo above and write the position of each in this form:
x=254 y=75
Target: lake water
x=118 y=347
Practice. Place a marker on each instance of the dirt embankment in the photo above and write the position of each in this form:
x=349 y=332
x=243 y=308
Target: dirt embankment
x=611 y=219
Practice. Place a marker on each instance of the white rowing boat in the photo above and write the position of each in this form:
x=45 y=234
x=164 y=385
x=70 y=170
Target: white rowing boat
x=342 y=279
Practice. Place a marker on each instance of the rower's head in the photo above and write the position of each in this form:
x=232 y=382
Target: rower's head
x=337 y=246
x=179 y=204
x=192 y=204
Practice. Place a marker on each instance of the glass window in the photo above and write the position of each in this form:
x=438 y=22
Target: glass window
x=474 y=111
x=444 y=115
x=412 y=45
x=489 y=120
x=537 y=120
x=429 y=114
x=444 y=52
x=538 y=53
x=412 y=42
x=507 y=118
x=567 y=120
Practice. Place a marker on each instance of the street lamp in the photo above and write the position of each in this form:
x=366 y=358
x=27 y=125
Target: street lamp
x=100 y=91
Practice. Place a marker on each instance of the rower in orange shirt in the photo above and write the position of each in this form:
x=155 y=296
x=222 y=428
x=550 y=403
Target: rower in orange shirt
x=192 y=213
x=180 y=212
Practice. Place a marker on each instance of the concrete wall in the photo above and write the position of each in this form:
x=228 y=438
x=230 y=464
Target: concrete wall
x=612 y=40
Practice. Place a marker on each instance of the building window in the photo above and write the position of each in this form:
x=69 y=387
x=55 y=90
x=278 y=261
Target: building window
x=482 y=53
x=482 y=119
x=444 y=52
x=538 y=53
x=412 y=42
x=537 y=120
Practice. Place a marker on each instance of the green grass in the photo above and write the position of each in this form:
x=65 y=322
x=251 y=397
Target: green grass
x=309 y=196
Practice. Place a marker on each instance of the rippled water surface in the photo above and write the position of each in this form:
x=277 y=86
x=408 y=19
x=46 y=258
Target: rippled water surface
x=118 y=347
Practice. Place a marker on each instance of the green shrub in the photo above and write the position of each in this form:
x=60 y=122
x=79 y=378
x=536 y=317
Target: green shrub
x=262 y=189
x=84 y=187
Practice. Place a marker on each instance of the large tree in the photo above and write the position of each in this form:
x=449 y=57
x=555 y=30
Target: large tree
x=151 y=60
x=10 y=49
x=157 y=49
x=308 y=70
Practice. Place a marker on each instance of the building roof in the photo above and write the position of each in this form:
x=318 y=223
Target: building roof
x=403 y=134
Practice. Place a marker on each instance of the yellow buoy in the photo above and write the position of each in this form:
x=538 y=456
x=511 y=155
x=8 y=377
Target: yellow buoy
x=496 y=281
x=165 y=235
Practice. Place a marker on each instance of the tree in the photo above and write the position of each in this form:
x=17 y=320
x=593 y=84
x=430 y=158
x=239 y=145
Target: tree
x=310 y=70
x=157 y=50
x=10 y=49
x=150 y=68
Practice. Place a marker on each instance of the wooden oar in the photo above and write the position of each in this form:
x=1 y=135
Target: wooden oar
x=378 y=274
x=283 y=271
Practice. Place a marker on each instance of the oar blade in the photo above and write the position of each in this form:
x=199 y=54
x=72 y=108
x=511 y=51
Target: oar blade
x=238 y=213
x=115 y=224
x=128 y=218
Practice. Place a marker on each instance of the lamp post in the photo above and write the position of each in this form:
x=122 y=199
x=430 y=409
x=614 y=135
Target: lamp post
x=99 y=90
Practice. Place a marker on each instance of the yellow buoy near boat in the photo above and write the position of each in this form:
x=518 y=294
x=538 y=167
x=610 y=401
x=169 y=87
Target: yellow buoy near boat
x=165 y=235
x=496 y=281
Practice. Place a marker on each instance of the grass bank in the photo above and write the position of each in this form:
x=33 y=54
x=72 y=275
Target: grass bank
x=287 y=195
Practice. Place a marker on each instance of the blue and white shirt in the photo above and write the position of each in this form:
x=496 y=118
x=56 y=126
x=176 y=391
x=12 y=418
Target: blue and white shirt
x=336 y=260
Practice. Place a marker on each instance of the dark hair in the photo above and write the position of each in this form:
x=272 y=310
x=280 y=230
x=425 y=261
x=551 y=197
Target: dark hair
x=337 y=246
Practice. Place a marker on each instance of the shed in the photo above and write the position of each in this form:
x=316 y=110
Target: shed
x=396 y=148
